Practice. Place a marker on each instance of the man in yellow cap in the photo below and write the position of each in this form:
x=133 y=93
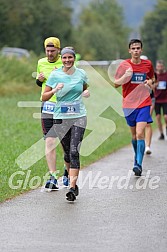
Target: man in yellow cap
x=44 y=67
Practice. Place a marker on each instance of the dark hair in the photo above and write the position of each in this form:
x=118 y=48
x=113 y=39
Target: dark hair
x=135 y=41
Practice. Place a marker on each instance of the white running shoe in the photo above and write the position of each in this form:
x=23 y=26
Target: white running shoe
x=148 y=151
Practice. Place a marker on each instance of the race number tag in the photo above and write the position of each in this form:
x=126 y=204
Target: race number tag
x=70 y=108
x=161 y=85
x=138 y=78
x=48 y=107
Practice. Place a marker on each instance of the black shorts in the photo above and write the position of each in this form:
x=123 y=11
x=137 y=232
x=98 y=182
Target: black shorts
x=47 y=125
x=159 y=106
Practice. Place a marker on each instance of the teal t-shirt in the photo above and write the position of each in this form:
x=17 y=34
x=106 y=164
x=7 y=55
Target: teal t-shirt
x=69 y=98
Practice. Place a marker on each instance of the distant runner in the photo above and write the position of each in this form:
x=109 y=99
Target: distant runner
x=161 y=97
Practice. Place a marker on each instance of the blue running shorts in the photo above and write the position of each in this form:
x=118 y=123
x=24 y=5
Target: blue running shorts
x=134 y=116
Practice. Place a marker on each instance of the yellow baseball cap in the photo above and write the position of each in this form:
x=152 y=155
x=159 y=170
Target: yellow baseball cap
x=52 y=40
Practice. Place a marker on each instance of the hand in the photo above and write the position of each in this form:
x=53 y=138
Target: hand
x=148 y=83
x=41 y=77
x=86 y=93
x=128 y=72
x=57 y=88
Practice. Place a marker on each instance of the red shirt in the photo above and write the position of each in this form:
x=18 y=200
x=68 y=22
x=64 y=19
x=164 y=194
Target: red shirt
x=161 y=90
x=135 y=94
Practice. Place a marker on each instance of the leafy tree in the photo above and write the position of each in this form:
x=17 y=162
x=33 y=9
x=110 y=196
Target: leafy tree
x=162 y=49
x=27 y=23
x=101 y=34
x=153 y=31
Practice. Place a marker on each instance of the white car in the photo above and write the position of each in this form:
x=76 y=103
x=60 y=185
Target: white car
x=15 y=52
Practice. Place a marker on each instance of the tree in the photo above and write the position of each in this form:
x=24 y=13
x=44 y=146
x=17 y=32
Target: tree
x=27 y=23
x=162 y=50
x=153 y=31
x=101 y=34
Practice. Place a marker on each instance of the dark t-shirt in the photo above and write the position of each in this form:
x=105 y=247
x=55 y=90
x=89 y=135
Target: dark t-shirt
x=161 y=89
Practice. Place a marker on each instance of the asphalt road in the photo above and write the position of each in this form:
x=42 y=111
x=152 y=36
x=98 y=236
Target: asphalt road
x=115 y=210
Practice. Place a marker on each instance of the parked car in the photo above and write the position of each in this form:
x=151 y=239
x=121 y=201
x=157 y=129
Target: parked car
x=15 y=52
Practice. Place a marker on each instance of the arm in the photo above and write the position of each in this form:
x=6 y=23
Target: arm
x=39 y=83
x=156 y=82
x=85 y=86
x=85 y=93
x=40 y=79
x=116 y=85
x=49 y=92
x=124 y=78
x=151 y=82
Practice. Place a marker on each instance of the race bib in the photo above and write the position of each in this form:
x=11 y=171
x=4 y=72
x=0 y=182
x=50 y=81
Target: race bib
x=161 y=85
x=48 y=107
x=138 y=78
x=72 y=108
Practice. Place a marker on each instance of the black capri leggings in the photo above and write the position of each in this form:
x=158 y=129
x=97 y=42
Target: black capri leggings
x=70 y=133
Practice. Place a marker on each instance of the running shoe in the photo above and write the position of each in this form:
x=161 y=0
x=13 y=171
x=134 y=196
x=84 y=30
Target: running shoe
x=137 y=170
x=65 y=178
x=72 y=193
x=162 y=137
x=52 y=183
x=76 y=190
x=148 y=151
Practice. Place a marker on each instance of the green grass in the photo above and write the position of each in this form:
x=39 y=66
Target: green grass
x=16 y=75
